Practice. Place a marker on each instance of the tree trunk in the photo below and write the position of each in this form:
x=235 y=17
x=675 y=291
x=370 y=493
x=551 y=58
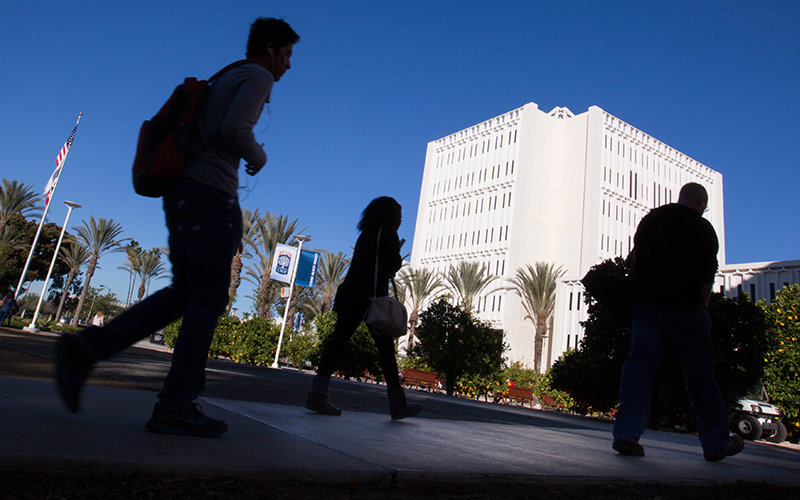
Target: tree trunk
x=412 y=330
x=264 y=298
x=89 y=273
x=67 y=283
x=141 y=292
x=236 y=280
x=538 y=341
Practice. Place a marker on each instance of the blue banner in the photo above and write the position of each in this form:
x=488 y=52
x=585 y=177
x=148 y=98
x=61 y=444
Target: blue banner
x=307 y=268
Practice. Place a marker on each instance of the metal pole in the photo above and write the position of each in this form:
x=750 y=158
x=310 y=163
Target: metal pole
x=301 y=238
x=59 y=167
x=30 y=254
x=32 y=327
x=91 y=306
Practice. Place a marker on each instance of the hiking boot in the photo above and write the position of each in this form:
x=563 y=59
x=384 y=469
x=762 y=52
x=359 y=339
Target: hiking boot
x=735 y=445
x=628 y=448
x=73 y=364
x=399 y=407
x=187 y=421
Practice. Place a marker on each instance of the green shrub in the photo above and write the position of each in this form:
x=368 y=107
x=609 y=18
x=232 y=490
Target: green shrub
x=457 y=346
x=171 y=333
x=359 y=356
x=782 y=361
x=298 y=347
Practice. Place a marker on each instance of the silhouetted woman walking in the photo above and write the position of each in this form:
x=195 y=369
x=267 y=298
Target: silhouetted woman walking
x=353 y=299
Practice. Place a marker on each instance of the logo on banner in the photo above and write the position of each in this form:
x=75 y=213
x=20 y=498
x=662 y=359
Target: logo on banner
x=284 y=264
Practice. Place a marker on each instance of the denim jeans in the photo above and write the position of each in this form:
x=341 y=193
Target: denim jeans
x=205 y=230
x=688 y=333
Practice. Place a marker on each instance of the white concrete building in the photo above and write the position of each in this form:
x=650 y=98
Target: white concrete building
x=530 y=186
x=760 y=280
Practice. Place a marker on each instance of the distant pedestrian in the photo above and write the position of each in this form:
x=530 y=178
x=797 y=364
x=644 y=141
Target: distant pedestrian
x=352 y=300
x=205 y=229
x=675 y=252
x=9 y=304
x=97 y=320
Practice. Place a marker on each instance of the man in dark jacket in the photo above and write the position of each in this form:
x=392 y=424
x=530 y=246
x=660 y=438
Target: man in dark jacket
x=205 y=229
x=675 y=262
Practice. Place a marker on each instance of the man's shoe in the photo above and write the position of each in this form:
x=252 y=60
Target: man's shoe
x=187 y=421
x=735 y=445
x=73 y=364
x=628 y=448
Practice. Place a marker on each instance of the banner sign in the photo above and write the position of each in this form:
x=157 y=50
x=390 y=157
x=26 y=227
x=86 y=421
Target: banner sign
x=282 y=263
x=307 y=268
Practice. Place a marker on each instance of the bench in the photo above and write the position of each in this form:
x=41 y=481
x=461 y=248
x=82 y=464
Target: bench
x=513 y=393
x=551 y=403
x=413 y=377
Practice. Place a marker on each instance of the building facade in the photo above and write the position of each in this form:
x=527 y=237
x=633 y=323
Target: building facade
x=530 y=186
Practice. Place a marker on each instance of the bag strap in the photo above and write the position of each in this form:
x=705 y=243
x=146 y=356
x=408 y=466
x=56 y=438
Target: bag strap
x=375 y=276
x=375 y=279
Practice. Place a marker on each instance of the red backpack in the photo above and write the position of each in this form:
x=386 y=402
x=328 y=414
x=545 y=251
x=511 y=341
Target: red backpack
x=165 y=140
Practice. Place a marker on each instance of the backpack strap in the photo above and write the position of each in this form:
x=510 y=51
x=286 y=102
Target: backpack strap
x=218 y=136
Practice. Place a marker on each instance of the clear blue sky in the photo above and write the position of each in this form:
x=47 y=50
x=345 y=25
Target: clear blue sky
x=373 y=82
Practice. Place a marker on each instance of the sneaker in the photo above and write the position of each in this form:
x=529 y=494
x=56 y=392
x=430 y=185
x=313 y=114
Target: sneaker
x=187 y=421
x=735 y=445
x=628 y=448
x=73 y=364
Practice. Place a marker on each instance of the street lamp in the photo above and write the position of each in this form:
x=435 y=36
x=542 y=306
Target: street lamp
x=91 y=305
x=300 y=238
x=32 y=327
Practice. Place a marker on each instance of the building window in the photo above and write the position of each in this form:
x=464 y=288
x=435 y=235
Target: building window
x=752 y=292
x=771 y=292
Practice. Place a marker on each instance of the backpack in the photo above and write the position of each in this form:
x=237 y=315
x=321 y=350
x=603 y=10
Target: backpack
x=165 y=145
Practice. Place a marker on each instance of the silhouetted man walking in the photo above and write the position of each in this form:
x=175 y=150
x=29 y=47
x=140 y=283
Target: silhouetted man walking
x=675 y=251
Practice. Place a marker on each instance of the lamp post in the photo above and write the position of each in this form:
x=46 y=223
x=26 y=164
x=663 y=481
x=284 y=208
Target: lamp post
x=32 y=327
x=300 y=238
x=91 y=305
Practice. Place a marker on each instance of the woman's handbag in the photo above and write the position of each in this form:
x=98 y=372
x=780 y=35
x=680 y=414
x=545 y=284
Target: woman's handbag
x=386 y=315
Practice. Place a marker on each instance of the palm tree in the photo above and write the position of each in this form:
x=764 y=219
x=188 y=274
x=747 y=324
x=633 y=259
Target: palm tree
x=418 y=286
x=466 y=281
x=99 y=236
x=11 y=240
x=74 y=255
x=132 y=249
x=17 y=198
x=249 y=218
x=267 y=232
x=330 y=275
x=536 y=287
x=148 y=266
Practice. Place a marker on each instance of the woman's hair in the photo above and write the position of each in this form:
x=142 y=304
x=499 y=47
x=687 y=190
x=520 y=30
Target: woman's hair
x=381 y=211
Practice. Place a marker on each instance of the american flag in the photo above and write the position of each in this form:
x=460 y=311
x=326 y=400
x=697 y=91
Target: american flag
x=62 y=155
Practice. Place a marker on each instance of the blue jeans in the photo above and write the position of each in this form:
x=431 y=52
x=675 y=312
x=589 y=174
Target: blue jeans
x=205 y=230
x=688 y=333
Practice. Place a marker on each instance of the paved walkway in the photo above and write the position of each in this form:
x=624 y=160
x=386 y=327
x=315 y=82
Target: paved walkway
x=288 y=442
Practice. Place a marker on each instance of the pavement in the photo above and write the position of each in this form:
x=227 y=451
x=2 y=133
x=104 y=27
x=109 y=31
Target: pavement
x=288 y=443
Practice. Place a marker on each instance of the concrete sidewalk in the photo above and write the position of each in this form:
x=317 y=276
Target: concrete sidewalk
x=287 y=442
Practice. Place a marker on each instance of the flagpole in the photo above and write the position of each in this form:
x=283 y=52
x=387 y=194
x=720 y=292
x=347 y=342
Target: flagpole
x=300 y=238
x=57 y=173
x=32 y=327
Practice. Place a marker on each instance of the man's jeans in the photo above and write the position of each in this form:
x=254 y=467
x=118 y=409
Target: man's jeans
x=688 y=333
x=205 y=230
